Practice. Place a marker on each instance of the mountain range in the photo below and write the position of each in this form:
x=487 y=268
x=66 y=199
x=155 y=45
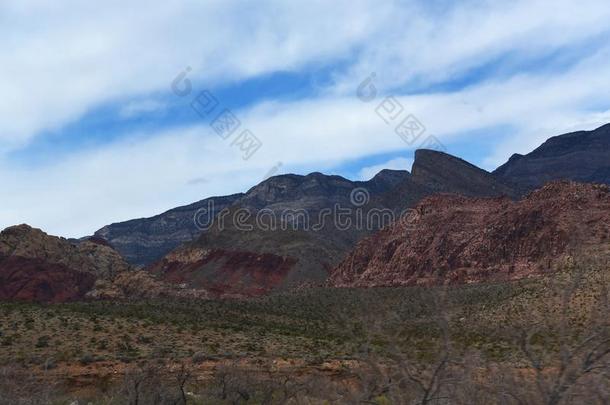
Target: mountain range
x=286 y=231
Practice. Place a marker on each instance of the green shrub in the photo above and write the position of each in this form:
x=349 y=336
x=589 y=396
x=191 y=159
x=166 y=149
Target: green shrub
x=87 y=359
x=199 y=357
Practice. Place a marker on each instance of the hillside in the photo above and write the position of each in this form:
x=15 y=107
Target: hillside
x=455 y=239
x=35 y=266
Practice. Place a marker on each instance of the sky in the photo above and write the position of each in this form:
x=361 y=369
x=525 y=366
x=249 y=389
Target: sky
x=117 y=110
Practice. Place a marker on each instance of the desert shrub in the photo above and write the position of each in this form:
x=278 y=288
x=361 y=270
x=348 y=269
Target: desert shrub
x=87 y=359
x=199 y=357
x=49 y=364
x=43 y=341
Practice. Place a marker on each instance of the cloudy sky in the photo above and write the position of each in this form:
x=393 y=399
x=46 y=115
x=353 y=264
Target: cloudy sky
x=97 y=123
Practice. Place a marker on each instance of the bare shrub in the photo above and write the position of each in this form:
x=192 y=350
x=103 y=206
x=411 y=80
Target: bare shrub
x=569 y=351
x=152 y=384
x=20 y=387
x=391 y=368
x=233 y=383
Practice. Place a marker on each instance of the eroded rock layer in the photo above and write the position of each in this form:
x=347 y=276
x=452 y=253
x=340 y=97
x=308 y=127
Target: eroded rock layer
x=454 y=239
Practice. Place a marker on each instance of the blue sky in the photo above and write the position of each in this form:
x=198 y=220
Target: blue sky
x=92 y=133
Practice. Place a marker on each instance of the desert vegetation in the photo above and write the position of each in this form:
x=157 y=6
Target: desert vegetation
x=544 y=340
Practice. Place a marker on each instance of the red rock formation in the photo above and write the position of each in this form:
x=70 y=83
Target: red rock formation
x=25 y=279
x=35 y=266
x=455 y=239
x=224 y=272
x=88 y=256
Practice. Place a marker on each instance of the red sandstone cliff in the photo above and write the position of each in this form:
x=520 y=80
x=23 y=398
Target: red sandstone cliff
x=455 y=239
x=35 y=266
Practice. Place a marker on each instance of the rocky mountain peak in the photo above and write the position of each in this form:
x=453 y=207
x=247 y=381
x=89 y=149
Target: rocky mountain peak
x=581 y=156
x=389 y=179
x=441 y=172
x=23 y=240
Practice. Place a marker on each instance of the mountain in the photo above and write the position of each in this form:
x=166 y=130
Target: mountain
x=601 y=176
x=438 y=172
x=285 y=237
x=291 y=230
x=143 y=241
x=455 y=239
x=582 y=156
x=443 y=173
x=255 y=258
x=37 y=267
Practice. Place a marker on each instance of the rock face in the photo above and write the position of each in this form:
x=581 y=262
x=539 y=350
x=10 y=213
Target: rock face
x=252 y=259
x=580 y=156
x=223 y=273
x=37 y=267
x=141 y=285
x=143 y=241
x=24 y=279
x=443 y=173
x=281 y=247
x=454 y=239
x=437 y=172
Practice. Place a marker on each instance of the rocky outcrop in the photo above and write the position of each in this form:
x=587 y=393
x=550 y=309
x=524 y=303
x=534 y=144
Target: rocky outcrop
x=27 y=279
x=92 y=256
x=443 y=173
x=143 y=241
x=37 y=267
x=223 y=273
x=582 y=156
x=141 y=285
x=454 y=239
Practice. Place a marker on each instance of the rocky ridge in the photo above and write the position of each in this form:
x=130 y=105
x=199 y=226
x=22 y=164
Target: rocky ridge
x=455 y=239
x=37 y=267
x=582 y=156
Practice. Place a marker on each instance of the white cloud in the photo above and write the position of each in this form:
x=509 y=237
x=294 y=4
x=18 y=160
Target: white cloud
x=367 y=173
x=65 y=58
x=415 y=45
x=131 y=178
x=144 y=175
